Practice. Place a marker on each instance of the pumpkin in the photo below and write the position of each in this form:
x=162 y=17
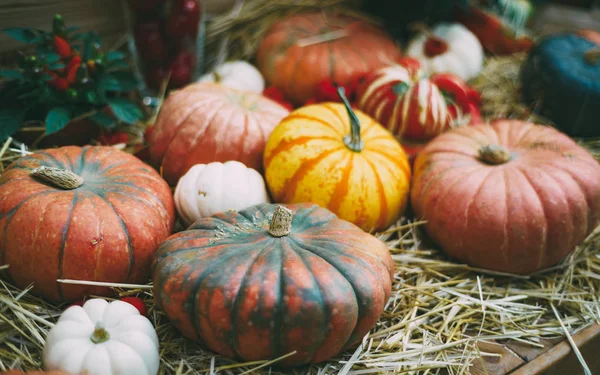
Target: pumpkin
x=216 y=187
x=448 y=48
x=238 y=74
x=93 y=213
x=268 y=280
x=208 y=122
x=304 y=49
x=340 y=159
x=561 y=81
x=100 y=337
x=411 y=105
x=495 y=35
x=508 y=196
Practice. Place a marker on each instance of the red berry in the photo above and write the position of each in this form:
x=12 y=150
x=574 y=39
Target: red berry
x=138 y=303
x=62 y=47
x=76 y=303
x=150 y=43
x=144 y=6
x=274 y=93
x=326 y=91
x=181 y=69
x=184 y=19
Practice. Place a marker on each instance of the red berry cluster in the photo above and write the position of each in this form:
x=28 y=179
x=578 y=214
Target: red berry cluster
x=165 y=33
x=325 y=91
x=65 y=77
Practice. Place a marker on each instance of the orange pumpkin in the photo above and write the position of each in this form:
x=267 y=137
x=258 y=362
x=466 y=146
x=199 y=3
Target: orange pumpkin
x=93 y=213
x=511 y=196
x=341 y=160
x=208 y=122
x=302 y=50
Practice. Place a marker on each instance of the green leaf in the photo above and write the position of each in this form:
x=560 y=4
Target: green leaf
x=24 y=35
x=11 y=120
x=125 y=110
x=11 y=74
x=115 y=56
x=56 y=66
x=52 y=57
x=117 y=82
x=57 y=119
x=102 y=119
x=46 y=77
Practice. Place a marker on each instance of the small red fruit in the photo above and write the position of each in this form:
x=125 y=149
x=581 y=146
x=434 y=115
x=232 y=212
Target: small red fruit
x=72 y=68
x=184 y=19
x=274 y=93
x=138 y=303
x=181 y=69
x=144 y=6
x=326 y=91
x=150 y=43
x=62 y=47
x=76 y=303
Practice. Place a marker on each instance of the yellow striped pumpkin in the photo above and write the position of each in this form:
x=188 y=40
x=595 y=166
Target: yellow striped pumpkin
x=340 y=159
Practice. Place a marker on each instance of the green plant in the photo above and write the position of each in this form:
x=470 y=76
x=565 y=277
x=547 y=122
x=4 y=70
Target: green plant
x=67 y=78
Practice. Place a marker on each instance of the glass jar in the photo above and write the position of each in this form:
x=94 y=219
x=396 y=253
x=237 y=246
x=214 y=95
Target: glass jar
x=166 y=40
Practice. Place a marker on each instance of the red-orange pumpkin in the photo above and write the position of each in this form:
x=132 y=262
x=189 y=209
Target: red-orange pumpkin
x=300 y=51
x=92 y=213
x=508 y=196
x=268 y=280
x=207 y=122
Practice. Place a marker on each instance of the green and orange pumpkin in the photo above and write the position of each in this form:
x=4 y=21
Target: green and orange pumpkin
x=93 y=213
x=508 y=196
x=268 y=280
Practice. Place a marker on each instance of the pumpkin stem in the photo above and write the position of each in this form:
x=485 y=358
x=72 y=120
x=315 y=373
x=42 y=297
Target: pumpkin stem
x=592 y=56
x=352 y=141
x=494 y=154
x=217 y=76
x=58 y=177
x=281 y=222
x=100 y=334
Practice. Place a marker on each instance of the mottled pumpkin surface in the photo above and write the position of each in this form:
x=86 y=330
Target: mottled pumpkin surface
x=105 y=230
x=249 y=295
x=519 y=216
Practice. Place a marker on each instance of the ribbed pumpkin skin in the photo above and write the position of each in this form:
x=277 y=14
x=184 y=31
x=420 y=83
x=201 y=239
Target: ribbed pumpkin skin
x=417 y=112
x=250 y=296
x=207 y=122
x=521 y=216
x=105 y=230
x=306 y=160
x=296 y=69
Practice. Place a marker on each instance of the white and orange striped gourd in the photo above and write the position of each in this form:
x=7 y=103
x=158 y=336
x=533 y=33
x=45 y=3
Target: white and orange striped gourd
x=409 y=104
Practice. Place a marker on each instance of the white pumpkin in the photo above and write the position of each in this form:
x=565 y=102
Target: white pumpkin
x=102 y=338
x=218 y=187
x=237 y=74
x=448 y=48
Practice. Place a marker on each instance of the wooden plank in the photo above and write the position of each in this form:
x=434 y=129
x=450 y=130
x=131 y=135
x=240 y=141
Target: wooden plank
x=561 y=359
x=488 y=365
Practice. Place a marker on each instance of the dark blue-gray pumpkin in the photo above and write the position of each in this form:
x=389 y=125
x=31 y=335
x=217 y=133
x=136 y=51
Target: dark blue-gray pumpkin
x=269 y=280
x=561 y=81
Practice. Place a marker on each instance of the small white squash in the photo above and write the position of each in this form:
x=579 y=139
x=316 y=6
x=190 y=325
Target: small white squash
x=102 y=338
x=218 y=187
x=448 y=48
x=237 y=74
